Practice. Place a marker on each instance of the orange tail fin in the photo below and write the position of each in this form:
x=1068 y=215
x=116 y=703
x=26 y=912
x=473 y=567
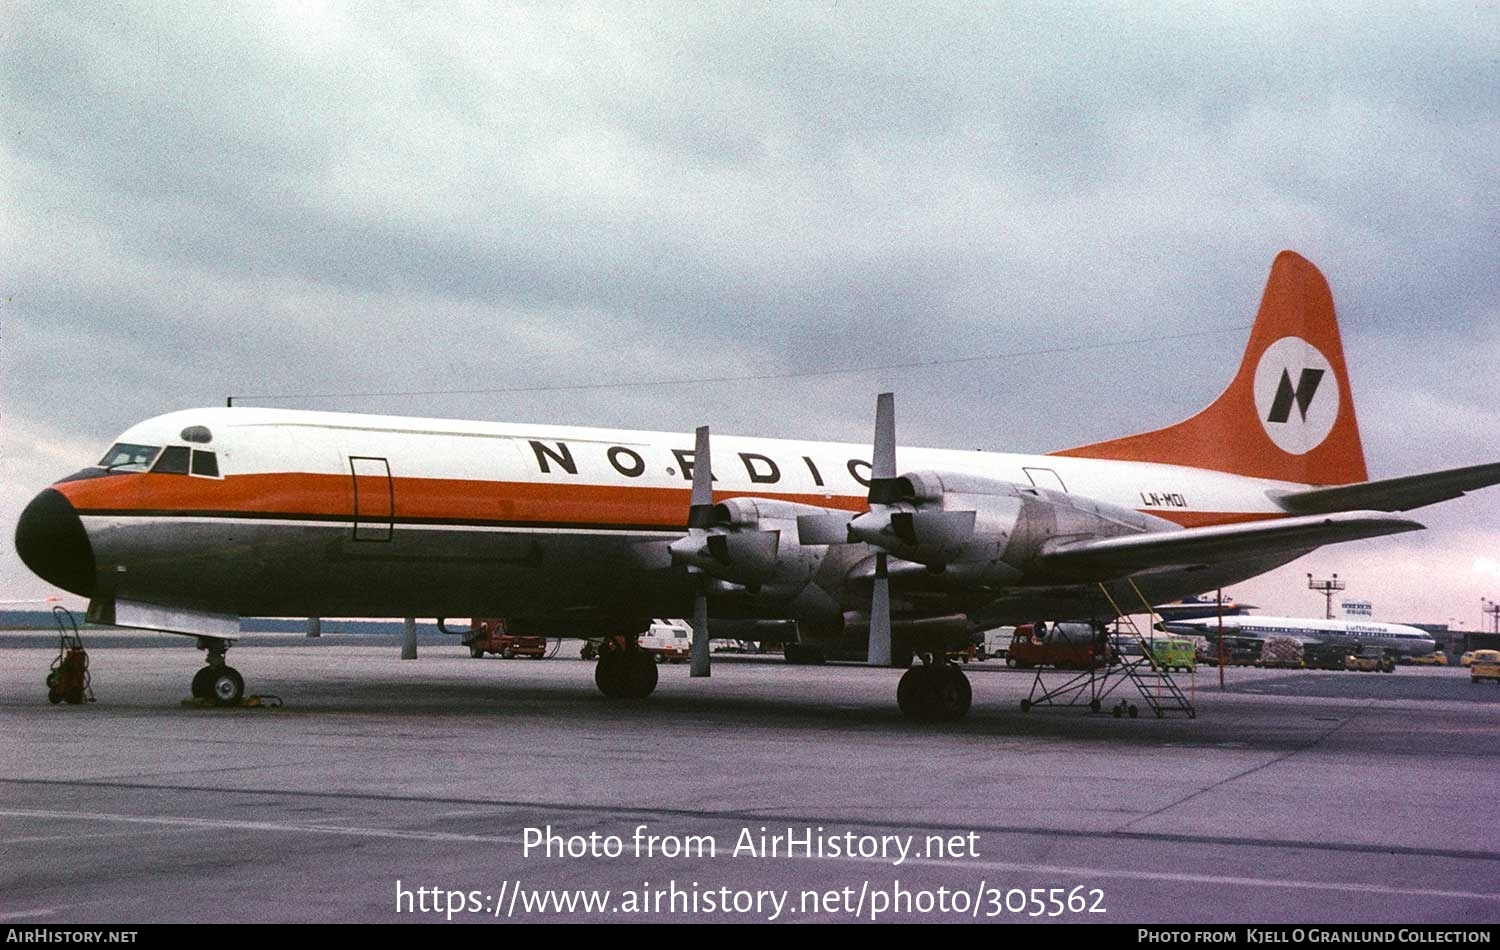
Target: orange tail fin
x=1288 y=414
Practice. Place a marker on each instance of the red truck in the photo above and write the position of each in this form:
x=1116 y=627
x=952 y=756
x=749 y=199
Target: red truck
x=1065 y=648
x=490 y=636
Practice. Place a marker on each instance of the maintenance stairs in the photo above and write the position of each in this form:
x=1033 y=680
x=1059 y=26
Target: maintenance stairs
x=1151 y=679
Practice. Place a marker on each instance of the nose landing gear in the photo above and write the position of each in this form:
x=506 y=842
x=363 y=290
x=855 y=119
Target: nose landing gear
x=935 y=691
x=217 y=682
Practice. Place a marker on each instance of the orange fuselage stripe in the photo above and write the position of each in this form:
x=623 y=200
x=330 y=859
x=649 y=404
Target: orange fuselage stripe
x=295 y=494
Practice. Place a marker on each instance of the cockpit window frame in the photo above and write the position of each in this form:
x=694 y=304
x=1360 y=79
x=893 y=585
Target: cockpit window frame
x=213 y=459
x=173 y=455
x=132 y=466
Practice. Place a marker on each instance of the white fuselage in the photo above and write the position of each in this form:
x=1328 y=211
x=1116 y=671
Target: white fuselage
x=1394 y=637
x=317 y=513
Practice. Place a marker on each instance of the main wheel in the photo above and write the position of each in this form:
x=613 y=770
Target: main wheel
x=627 y=674
x=954 y=695
x=227 y=686
x=934 y=694
x=914 y=694
x=642 y=677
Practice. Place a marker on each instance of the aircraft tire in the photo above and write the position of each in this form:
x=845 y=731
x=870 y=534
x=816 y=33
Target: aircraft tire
x=227 y=687
x=954 y=694
x=203 y=683
x=625 y=675
x=934 y=694
x=913 y=695
x=642 y=677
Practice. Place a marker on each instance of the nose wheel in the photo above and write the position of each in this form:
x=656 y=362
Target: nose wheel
x=218 y=683
x=934 y=692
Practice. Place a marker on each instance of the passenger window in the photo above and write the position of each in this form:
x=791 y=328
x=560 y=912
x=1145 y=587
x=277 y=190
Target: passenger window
x=173 y=461
x=205 y=463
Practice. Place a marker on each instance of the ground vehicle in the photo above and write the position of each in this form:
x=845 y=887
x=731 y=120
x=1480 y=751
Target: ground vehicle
x=995 y=643
x=1062 y=647
x=1486 y=666
x=1369 y=660
x=1281 y=653
x=668 y=641
x=1324 y=656
x=491 y=636
x=1174 y=654
x=1438 y=658
x=1467 y=659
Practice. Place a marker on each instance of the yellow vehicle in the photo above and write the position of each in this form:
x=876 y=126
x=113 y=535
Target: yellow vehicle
x=1175 y=654
x=1436 y=658
x=1467 y=659
x=1370 y=660
x=1486 y=666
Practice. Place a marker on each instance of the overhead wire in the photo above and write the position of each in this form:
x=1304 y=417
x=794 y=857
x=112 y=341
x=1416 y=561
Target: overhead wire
x=756 y=377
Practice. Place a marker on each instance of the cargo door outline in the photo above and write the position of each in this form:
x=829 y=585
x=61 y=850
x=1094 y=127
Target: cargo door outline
x=375 y=506
x=1045 y=478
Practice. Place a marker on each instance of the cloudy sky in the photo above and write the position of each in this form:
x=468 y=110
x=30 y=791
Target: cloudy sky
x=276 y=199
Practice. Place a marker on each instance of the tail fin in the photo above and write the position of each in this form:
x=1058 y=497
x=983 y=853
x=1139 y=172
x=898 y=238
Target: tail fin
x=1287 y=415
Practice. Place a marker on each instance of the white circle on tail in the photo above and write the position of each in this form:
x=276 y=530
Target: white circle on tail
x=1296 y=395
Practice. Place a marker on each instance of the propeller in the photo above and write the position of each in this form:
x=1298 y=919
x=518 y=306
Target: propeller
x=700 y=516
x=882 y=479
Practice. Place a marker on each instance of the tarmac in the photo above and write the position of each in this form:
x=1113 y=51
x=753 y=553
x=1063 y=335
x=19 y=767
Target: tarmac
x=429 y=790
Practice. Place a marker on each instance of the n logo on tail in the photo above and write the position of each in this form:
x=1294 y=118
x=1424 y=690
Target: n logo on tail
x=1317 y=405
x=1281 y=409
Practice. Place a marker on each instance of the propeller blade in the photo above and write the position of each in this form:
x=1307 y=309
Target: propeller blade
x=700 y=515
x=880 y=614
x=883 y=461
x=698 y=656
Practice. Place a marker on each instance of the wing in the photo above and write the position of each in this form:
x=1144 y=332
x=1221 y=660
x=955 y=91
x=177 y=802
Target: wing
x=1391 y=494
x=1111 y=557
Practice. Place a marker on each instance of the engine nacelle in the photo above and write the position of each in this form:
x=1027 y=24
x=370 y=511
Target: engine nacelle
x=981 y=531
x=753 y=543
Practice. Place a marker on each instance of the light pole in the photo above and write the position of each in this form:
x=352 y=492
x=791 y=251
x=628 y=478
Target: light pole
x=1326 y=587
x=1492 y=609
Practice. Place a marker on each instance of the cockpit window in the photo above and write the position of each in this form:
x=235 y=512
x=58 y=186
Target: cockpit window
x=125 y=455
x=205 y=463
x=173 y=461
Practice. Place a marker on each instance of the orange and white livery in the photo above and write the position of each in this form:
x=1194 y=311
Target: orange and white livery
x=197 y=518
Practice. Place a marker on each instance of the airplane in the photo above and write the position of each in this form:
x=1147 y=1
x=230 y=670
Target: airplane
x=196 y=518
x=1395 y=638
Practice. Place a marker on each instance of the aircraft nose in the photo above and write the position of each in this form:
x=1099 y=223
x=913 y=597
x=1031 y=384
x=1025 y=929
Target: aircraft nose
x=51 y=540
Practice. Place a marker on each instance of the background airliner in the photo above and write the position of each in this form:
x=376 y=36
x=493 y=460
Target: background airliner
x=1394 y=638
x=197 y=518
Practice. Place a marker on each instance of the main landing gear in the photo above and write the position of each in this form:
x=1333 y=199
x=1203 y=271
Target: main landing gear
x=218 y=682
x=935 y=691
x=625 y=671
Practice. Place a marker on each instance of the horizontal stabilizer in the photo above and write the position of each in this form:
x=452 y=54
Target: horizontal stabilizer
x=1219 y=543
x=1391 y=494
